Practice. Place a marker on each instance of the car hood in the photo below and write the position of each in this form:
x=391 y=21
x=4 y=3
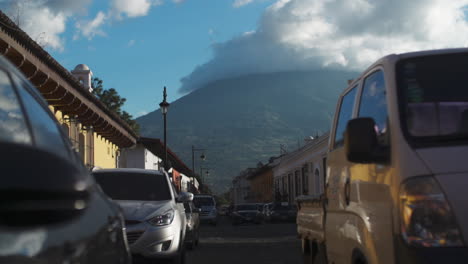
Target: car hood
x=140 y=210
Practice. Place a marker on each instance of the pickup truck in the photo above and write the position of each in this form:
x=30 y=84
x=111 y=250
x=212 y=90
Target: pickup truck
x=310 y=227
x=396 y=170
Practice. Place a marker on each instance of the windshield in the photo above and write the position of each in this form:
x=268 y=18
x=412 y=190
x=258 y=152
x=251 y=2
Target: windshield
x=203 y=201
x=434 y=97
x=134 y=186
x=246 y=207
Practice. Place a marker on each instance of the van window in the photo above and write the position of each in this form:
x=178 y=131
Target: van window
x=433 y=98
x=345 y=114
x=374 y=101
x=12 y=124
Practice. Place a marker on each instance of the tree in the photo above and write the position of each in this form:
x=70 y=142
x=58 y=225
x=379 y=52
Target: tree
x=112 y=100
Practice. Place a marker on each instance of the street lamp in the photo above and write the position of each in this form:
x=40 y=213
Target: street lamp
x=164 y=105
x=202 y=156
x=201 y=174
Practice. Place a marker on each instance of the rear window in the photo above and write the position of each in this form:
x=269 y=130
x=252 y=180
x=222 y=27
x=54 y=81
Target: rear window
x=134 y=186
x=203 y=201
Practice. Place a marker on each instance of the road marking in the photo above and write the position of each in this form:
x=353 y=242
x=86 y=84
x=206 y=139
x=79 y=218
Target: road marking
x=235 y=240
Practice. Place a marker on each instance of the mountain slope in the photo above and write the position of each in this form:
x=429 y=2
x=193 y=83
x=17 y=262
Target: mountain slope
x=244 y=120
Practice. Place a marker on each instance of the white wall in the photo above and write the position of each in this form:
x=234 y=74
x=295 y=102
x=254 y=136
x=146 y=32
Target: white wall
x=139 y=157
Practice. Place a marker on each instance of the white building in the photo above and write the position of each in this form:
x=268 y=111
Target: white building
x=241 y=187
x=139 y=157
x=302 y=172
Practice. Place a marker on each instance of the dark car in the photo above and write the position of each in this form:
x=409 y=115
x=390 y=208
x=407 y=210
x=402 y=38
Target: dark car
x=283 y=212
x=51 y=210
x=192 y=236
x=246 y=213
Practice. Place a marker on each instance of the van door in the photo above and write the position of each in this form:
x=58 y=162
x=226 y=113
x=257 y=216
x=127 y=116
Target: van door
x=370 y=198
x=338 y=172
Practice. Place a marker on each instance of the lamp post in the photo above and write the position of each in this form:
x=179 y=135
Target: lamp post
x=201 y=174
x=164 y=105
x=202 y=156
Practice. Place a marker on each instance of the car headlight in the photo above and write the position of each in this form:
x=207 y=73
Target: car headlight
x=162 y=219
x=213 y=212
x=426 y=218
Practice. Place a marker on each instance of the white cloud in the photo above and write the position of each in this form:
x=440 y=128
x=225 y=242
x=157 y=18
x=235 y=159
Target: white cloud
x=91 y=28
x=141 y=113
x=134 y=8
x=43 y=20
x=337 y=34
x=240 y=3
x=131 y=43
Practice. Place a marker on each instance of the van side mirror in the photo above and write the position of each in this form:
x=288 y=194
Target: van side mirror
x=361 y=144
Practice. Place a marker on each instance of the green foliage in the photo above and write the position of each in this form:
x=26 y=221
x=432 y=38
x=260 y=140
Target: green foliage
x=113 y=101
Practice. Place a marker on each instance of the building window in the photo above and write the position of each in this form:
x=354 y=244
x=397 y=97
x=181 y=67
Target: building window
x=290 y=187
x=297 y=183
x=305 y=180
x=317 y=181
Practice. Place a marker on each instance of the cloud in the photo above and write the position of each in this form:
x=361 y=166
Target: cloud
x=89 y=29
x=43 y=20
x=240 y=3
x=131 y=43
x=141 y=113
x=178 y=1
x=134 y=8
x=335 y=34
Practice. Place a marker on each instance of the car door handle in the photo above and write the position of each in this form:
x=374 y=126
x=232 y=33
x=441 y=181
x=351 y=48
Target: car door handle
x=347 y=191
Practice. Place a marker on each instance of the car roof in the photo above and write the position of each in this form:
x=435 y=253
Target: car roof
x=128 y=170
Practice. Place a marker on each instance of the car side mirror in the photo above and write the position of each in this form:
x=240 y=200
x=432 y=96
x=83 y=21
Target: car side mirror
x=42 y=188
x=361 y=144
x=184 y=197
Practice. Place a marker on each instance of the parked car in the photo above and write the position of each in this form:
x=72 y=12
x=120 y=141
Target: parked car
x=396 y=166
x=207 y=204
x=192 y=236
x=266 y=212
x=283 y=212
x=51 y=209
x=154 y=212
x=224 y=210
x=246 y=213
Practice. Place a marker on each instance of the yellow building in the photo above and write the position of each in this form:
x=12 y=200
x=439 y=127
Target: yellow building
x=96 y=133
x=261 y=184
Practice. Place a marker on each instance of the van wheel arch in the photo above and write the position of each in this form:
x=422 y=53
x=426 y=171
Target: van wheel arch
x=358 y=257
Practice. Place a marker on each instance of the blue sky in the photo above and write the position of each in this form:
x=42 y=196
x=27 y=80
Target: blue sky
x=138 y=56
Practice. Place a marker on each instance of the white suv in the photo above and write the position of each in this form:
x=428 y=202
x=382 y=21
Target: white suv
x=154 y=212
